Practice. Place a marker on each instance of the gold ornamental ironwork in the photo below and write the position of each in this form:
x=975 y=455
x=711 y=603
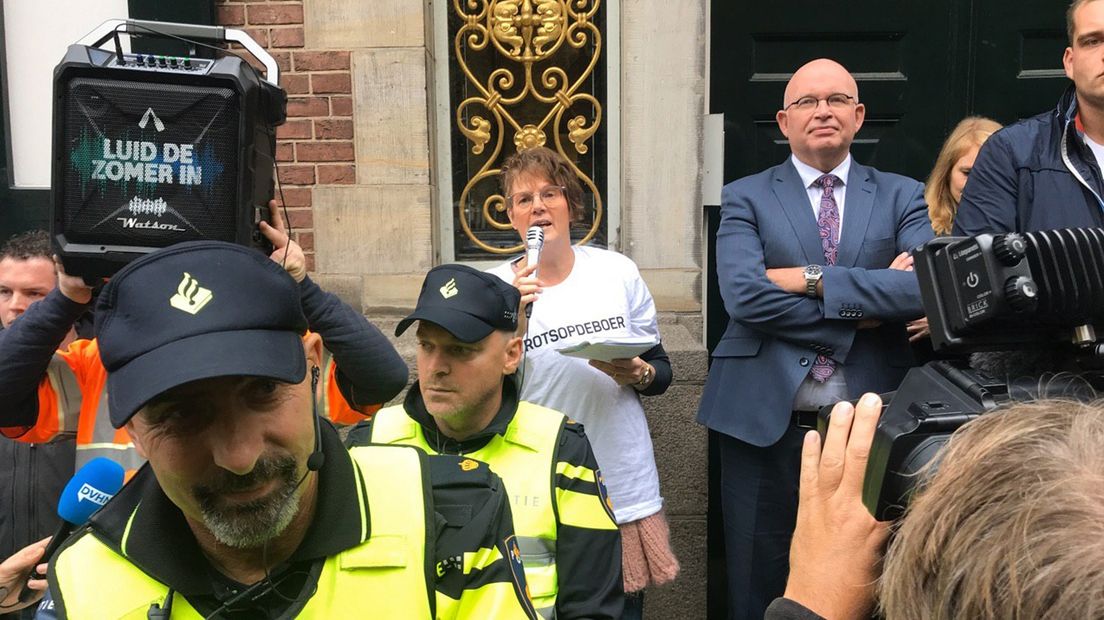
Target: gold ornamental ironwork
x=525 y=92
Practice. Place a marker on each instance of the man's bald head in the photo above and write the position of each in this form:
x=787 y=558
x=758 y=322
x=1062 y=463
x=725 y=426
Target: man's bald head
x=822 y=126
x=819 y=71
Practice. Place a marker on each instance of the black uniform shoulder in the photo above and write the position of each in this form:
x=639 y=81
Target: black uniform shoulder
x=469 y=501
x=574 y=427
x=574 y=447
x=359 y=435
x=475 y=548
x=454 y=474
x=787 y=609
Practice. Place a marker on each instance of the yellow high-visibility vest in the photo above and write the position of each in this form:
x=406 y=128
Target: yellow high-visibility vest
x=384 y=577
x=524 y=457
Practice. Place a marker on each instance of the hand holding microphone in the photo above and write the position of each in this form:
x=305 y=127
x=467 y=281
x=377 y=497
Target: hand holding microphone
x=87 y=491
x=15 y=591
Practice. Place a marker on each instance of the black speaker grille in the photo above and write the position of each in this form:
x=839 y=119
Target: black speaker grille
x=148 y=164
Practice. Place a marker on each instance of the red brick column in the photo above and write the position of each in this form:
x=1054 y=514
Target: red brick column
x=315 y=145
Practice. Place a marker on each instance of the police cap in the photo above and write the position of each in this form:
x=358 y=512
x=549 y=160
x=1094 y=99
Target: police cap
x=192 y=311
x=469 y=303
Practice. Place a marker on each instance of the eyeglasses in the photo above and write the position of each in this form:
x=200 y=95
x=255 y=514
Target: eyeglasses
x=523 y=201
x=809 y=103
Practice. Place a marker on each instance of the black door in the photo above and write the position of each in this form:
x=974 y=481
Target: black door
x=1016 y=51
x=921 y=67
x=901 y=54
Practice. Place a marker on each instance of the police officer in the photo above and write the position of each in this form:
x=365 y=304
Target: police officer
x=53 y=390
x=465 y=403
x=249 y=505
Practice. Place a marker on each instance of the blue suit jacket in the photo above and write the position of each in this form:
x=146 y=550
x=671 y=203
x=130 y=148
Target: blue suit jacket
x=774 y=336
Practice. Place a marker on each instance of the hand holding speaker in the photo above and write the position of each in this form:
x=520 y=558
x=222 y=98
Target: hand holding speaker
x=285 y=251
x=73 y=287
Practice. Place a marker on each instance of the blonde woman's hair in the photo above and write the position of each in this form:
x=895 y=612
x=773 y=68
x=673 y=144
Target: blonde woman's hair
x=1012 y=523
x=971 y=132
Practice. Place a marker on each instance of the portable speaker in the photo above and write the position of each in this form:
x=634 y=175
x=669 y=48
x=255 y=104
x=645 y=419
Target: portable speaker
x=153 y=150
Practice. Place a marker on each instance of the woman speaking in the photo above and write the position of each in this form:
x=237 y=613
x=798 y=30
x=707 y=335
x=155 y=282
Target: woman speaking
x=585 y=294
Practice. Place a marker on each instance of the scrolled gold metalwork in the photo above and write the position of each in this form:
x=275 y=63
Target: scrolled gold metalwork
x=525 y=33
x=531 y=33
x=479 y=132
x=528 y=137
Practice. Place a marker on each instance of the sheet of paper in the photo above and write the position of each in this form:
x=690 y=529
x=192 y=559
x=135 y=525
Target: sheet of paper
x=610 y=349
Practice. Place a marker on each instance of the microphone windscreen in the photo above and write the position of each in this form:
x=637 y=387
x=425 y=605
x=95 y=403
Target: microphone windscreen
x=1009 y=366
x=89 y=489
x=534 y=238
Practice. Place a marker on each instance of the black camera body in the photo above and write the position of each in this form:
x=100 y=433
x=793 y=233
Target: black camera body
x=1039 y=291
x=1010 y=291
x=917 y=421
x=981 y=284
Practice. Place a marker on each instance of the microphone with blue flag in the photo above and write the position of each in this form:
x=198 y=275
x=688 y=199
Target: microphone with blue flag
x=88 y=490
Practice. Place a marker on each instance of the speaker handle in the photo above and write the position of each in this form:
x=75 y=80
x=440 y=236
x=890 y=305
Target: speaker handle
x=105 y=31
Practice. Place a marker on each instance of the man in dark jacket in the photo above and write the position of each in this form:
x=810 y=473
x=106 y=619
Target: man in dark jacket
x=32 y=474
x=1044 y=172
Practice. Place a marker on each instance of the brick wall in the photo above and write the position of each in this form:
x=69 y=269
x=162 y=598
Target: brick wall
x=315 y=145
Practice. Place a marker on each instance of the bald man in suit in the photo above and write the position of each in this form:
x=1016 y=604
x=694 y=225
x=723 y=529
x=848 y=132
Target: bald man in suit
x=813 y=264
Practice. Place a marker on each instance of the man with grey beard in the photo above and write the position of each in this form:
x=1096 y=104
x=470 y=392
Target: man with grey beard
x=250 y=524
x=249 y=505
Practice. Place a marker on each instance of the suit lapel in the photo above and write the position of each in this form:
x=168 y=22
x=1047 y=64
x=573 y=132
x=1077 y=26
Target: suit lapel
x=790 y=192
x=856 y=214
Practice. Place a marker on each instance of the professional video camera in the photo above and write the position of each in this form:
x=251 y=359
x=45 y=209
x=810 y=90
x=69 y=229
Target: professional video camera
x=1038 y=295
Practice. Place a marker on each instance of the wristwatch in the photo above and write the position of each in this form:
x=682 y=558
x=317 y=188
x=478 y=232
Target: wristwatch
x=813 y=274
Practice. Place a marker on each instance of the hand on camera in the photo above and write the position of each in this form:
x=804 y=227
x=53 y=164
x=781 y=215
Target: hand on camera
x=837 y=545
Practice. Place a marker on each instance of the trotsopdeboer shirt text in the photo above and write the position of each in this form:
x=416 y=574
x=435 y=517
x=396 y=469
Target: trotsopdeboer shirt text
x=577 y=329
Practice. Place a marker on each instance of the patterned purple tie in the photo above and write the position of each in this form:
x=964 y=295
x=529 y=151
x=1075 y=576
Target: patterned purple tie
x=828 y=225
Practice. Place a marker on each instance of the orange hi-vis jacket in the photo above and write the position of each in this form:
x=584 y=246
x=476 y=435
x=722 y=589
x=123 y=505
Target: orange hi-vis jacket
x=72 y=400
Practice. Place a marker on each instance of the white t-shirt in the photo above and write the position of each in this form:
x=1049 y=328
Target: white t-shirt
x=1097 y=150
x=604 y=296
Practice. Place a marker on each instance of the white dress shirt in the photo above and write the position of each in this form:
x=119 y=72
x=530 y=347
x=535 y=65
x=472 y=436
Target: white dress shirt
x=812 y=394
x=809 y=175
